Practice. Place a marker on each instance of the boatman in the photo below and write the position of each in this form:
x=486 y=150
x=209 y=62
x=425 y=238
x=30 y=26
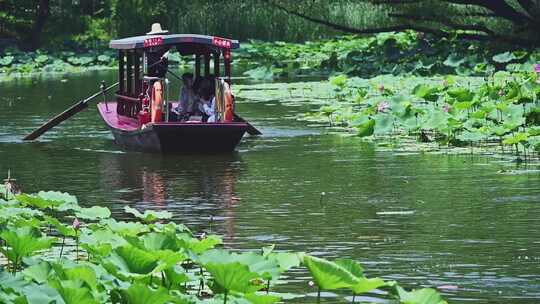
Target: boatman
x=157 y=59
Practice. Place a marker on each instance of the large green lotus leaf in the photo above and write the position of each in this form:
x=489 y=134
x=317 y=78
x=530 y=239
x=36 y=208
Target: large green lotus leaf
x=352 y=266
x=167 y=258
x=216 y=256
x=148 y=216
x=83 y=273
x=454 y=60
x=9 y=213
x=159 y=241
x=437 y=120
x=93 y=213
x=23 y=242
x=366 y=129
x=37 y=202
x=72 y=292
x=504 y=57
x=517 y=138
x=461 y=94
x=286 y=260
x=132 y=260
x=38 y=272
x=367 y=285
x=384 y=123
x=427 y=92
x=420 y=296
x=142 y=294
x=56 y=196
x=329 y=275
x=39 y=294
x=256 y=298
x=176 y=275
x=101 y=236
x=266 y=268
x=61 y=228
x=198 y=246
x=234 y=277
x=471 y=136
x=126 y=228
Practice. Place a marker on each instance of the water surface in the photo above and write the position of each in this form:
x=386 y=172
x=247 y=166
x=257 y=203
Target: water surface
x=422 y=219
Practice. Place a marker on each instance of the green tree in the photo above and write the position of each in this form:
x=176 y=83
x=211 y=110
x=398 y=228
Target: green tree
x=511 y=21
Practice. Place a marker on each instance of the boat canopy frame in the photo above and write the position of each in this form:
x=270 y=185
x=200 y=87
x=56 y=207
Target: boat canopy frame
x=131 y=61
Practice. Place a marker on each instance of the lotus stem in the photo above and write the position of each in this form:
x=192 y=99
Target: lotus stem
x=62 y=247
x=225 y=299
x=162 y=279
x=77 y=248
x=353 y=298
x=319 y=295
x=268 y=286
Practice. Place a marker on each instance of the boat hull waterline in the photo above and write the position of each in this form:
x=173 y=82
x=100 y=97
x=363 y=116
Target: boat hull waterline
x=172 y=137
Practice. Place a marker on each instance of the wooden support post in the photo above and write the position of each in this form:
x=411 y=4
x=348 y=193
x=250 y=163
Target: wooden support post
x=227 y=56
x=216 y=64
x=129 y=73
x=197 y=66
x=121 y=76
x=207 y=64
x=137 y=71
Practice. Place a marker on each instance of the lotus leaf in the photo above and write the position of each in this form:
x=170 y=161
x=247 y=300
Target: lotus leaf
x=73 y=292
x=329 y=275
x=420 y=296
x=23 y=242
x=149 y=216
x=256 y=298
x=234 y=277
x=142 y=294
x=93 y=213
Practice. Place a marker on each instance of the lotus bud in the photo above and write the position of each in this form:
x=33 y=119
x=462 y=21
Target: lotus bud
x=537 y=68
x=381 y=88
x=501 y=92
x=76 y=224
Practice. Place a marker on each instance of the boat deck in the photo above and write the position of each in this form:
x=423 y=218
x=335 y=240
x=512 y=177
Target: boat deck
x=111 y=118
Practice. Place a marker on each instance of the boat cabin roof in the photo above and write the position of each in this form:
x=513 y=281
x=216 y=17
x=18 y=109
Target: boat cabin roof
x=185 y=43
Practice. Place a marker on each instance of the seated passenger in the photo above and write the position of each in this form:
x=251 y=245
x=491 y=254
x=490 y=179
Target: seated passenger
x=207 y=103
x=188 y=99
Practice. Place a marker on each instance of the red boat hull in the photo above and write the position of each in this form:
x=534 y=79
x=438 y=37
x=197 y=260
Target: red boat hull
x=172 y=137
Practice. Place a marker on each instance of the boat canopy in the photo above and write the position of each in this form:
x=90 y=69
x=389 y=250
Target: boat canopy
x=185 y=43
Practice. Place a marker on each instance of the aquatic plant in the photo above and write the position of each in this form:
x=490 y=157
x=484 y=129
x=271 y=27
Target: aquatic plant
x=150 y=262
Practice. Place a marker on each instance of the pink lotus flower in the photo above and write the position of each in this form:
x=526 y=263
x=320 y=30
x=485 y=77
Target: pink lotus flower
x=537 y=68
x=446 y=108
x=382 y=106
x=311 y=283
x=381 y=88
x=76 y=224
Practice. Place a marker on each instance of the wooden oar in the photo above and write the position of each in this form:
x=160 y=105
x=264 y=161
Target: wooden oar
x=74 y=109
x=251 y=129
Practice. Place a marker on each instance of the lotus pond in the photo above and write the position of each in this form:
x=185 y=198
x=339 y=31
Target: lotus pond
x=418 y=214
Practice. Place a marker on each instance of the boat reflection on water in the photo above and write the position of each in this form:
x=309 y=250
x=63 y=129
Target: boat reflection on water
x=198 y=190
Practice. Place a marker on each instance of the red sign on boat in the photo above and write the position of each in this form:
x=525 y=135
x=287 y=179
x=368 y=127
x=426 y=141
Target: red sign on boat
x=155 y=41
x=222 y=42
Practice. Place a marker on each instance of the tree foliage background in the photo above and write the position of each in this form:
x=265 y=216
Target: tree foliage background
x=87 y=23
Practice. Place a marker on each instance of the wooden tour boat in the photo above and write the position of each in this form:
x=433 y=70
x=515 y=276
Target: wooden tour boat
x=141 y=117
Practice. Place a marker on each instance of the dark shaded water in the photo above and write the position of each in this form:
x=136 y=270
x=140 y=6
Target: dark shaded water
x=424 y=220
